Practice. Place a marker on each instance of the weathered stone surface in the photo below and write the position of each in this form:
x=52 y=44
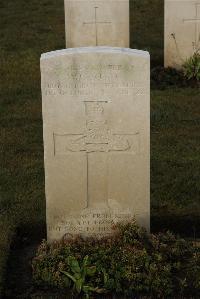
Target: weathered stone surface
x=96 y=139
x=97 y=23
x=182 y=30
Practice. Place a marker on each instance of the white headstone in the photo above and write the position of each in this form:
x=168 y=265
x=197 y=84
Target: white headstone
x=96 y=139
x=182 y=31
x=97 y=23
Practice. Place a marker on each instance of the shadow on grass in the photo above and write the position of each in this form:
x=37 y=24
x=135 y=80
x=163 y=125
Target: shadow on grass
x=183 y=225
x=23 y=248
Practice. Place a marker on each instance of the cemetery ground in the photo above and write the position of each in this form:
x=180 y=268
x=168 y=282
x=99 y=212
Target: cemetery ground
x=28 y=29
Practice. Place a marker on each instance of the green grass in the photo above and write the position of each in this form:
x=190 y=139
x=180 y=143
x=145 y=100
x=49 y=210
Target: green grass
x=29 y=28
x=175 y=160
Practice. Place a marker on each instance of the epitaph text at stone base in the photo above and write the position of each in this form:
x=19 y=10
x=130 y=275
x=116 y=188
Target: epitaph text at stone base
x=96 y=139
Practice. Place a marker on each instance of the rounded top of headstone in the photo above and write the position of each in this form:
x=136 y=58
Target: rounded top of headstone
x=110 y=50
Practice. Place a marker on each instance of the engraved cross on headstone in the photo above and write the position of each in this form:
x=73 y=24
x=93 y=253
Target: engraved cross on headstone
x=96 y=23
x=97 y=141
x=195 y=21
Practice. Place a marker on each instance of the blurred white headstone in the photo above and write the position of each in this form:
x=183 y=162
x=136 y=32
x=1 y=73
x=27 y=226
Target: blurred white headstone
x=182 y=31
x=97 y=23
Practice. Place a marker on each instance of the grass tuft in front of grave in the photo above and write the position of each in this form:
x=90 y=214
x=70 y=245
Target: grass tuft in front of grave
x=130 y=263
x=191 y=68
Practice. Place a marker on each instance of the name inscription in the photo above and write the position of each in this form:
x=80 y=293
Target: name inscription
x=87 y=80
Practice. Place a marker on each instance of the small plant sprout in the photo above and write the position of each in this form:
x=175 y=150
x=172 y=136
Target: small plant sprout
x=79 y=274
x=191 y=67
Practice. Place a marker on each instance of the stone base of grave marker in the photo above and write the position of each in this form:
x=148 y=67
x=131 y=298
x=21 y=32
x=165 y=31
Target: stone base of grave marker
x=96 y=139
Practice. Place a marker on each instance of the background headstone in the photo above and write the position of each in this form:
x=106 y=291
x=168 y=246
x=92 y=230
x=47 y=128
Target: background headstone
x=96 y=139
x=182 y=30
x=97 y=23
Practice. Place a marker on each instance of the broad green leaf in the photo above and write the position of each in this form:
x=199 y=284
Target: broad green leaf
x=69 y=275
x=74 y=265
x=90 y=271
x=77 y=275
x=85 y=260
x=79 y=285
